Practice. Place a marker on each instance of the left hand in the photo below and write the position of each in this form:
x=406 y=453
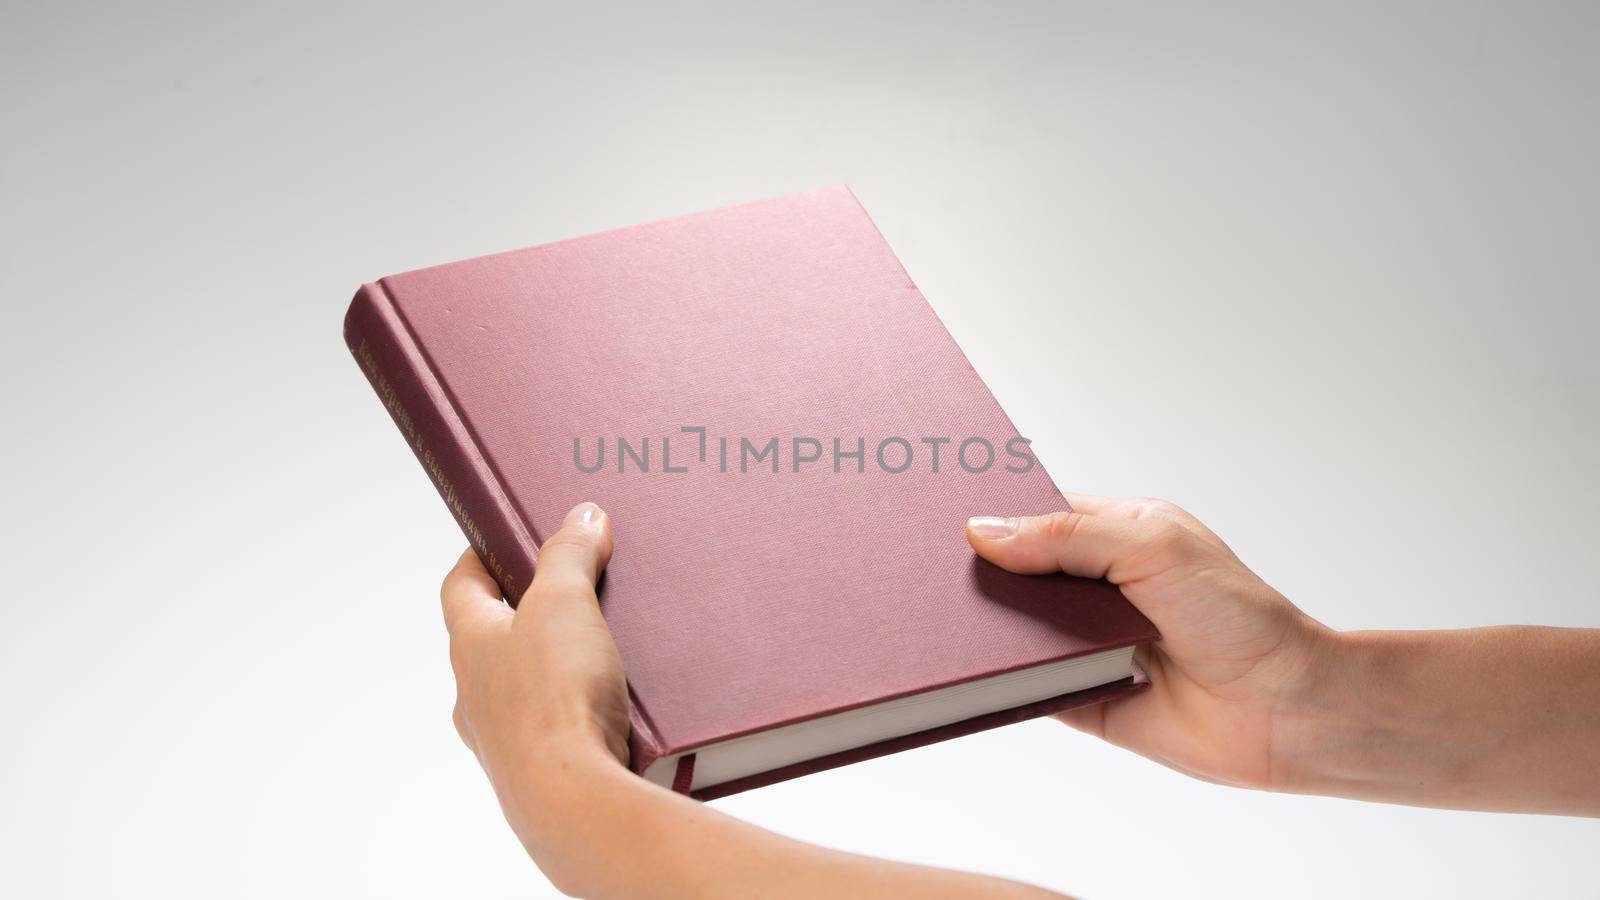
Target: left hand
x=541 y=701
x=539 y=689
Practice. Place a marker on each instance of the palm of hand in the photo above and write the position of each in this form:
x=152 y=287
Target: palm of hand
x=1232 y=651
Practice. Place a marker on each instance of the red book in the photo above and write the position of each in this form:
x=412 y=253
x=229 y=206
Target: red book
x=789 y=444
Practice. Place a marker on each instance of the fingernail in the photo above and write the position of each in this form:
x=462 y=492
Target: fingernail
x=992 y=528
x=586 y=516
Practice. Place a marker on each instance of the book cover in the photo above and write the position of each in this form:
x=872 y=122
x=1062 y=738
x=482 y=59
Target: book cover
x=789 y=444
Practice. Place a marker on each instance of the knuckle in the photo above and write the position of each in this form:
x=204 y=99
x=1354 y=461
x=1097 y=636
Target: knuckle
x=1158 y=505
x=1168 y=537
x=569 y=539
x=1058 y=528
x=1152 y=507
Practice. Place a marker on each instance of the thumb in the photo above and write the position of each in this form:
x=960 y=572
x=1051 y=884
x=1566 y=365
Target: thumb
x=1089 y=546
x=575 y=556
x=571 y=560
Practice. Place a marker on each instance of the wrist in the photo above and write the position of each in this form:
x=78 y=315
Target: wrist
x=1354 y=727
x=561 y=796
x=547 y=775
x=1312 y=714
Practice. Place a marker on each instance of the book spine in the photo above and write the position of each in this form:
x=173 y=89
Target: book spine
x=399 y=371
x=420 y=405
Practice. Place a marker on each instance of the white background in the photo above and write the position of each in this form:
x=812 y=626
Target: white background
x=1327 y=278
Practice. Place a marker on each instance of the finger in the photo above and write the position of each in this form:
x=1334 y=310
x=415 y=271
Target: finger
x=1089 y=719
x=1108 y=720
x=471 y=597
x=1089 y=546
x=571 y=560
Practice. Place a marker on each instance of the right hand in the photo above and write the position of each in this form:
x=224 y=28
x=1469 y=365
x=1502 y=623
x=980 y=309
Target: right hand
x=1234 y=654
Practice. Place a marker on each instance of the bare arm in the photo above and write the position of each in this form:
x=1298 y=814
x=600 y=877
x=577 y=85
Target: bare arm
x=598 y=830
x=1248 y=690
x=1504 y=719
x=542 y=702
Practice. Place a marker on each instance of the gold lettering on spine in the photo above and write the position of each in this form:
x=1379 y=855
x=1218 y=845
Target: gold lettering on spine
x=447 y=490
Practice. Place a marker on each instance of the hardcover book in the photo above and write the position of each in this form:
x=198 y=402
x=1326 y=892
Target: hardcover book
x=789 y=444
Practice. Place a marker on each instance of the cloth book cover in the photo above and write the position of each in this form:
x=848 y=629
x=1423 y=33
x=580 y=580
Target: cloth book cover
x=789 y=444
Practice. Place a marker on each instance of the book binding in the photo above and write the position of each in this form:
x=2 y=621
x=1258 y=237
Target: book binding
x=399 y=371
x=848 y=348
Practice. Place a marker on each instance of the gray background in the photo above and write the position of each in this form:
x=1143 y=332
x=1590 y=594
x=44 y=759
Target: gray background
x=1325 y=277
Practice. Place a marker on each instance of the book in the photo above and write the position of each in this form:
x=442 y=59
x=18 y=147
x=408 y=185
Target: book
x=789 y=444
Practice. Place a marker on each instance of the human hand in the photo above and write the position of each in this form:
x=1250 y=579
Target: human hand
x=540 y=694
x=541 y=701
x=1250 y=691
x=1234 y=656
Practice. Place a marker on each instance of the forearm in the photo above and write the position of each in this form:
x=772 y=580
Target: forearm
x=599 y=831
x=1503 y=719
